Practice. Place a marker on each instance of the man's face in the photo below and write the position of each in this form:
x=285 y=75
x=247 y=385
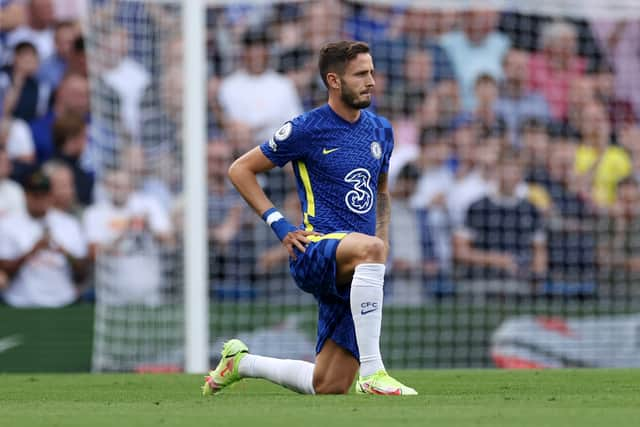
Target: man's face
x=41 y=12
x=515 y=66
x=74 y=95
x=118 y=186
x=38 y=203
x=357 y=82
x=510 y=175
x=219 y=159
x=418 y=67
x=26 y=61
x=257 y=58
x=64 y=38
x=486 y=92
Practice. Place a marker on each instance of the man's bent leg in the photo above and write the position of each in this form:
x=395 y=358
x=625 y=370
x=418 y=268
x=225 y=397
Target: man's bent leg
x=296 y=375
x=362 y=258
x=336 y=368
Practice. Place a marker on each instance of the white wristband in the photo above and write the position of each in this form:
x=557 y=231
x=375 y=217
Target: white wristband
x=273 y=217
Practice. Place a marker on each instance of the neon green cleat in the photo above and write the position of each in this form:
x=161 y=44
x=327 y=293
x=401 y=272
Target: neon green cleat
x=383 y=384
x=226 y=373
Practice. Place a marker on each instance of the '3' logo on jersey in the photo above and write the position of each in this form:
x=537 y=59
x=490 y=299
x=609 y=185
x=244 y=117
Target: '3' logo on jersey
x=360 y=199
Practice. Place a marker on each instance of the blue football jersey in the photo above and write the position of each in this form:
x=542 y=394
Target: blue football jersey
x=337 y=165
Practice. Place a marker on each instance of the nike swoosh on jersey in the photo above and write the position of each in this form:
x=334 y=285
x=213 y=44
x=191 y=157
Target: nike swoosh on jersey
x=330 y=150
x=362 y=312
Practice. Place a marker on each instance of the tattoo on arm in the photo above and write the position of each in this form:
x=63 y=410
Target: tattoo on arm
x=383 y=216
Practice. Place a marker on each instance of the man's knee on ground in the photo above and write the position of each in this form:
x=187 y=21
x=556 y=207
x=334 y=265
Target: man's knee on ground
x=323 y=386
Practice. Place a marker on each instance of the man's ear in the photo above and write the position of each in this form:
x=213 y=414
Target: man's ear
x=333 y=80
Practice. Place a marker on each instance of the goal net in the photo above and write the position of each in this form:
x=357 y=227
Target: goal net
x=515 y=221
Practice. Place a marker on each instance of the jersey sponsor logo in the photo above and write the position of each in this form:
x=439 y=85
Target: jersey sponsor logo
x=360 y=199
x=326 y=151
x=368 y=307
x=376 y=149
x=284 y=132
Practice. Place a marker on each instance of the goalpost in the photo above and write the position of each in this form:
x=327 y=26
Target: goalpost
x=151 y=80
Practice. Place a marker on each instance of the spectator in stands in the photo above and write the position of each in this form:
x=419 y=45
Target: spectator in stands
x=619 y=39
x=43 y=251
x=571 y=226
x=21 y=94
x=430 y=196
x=16 y=137
x=581 y=92
x=501 y=248
x=126 y=233
x=146 y=176
x=14 y=14
x=628 y=138
x=516 y=103
x=39 y=29
x=474 y=172
x=70 y=141
x=324 y=22
x=54 y=68
x=486 y=91
x=72 y=97
x=77 y=61
x=225 y=218
x=557 y=64
x=63 y=190
x=620 y=110
x=408 y=265
x=408 y=92
x=121 y=84
x=247 y=95
x=619 y=243
x=478 y=48
x=535 y=150
x=417 y=30
x=11 y=194
x=600 y=164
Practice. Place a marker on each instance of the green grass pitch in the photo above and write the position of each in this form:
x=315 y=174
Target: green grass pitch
x=447 y=398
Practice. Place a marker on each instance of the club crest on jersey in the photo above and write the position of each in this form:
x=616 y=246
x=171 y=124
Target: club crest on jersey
x=284 y=132
x=376 y=149
x=360 y=199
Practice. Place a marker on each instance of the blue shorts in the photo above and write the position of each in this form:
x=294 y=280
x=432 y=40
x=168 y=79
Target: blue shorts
x=314 y=272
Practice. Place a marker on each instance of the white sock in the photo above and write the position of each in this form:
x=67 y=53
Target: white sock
x=366 y=309
x=296 y=375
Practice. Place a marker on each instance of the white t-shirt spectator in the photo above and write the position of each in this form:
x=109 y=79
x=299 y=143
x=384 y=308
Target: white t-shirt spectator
x=264 y=102
x=45 y=280
x=129 y=80
x=20 y=141
x=11 y=198
x=132 y=263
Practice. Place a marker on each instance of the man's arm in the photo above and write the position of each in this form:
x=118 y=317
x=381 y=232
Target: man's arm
x=383 y=211
x=243 y=174
x=464 y=252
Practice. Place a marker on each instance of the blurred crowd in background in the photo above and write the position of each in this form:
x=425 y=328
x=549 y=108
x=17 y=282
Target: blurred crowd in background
x=515 y=170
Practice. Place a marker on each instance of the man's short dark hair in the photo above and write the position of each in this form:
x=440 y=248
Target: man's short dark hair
x=334 y=57
x=37 y=182
x=24 y=46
